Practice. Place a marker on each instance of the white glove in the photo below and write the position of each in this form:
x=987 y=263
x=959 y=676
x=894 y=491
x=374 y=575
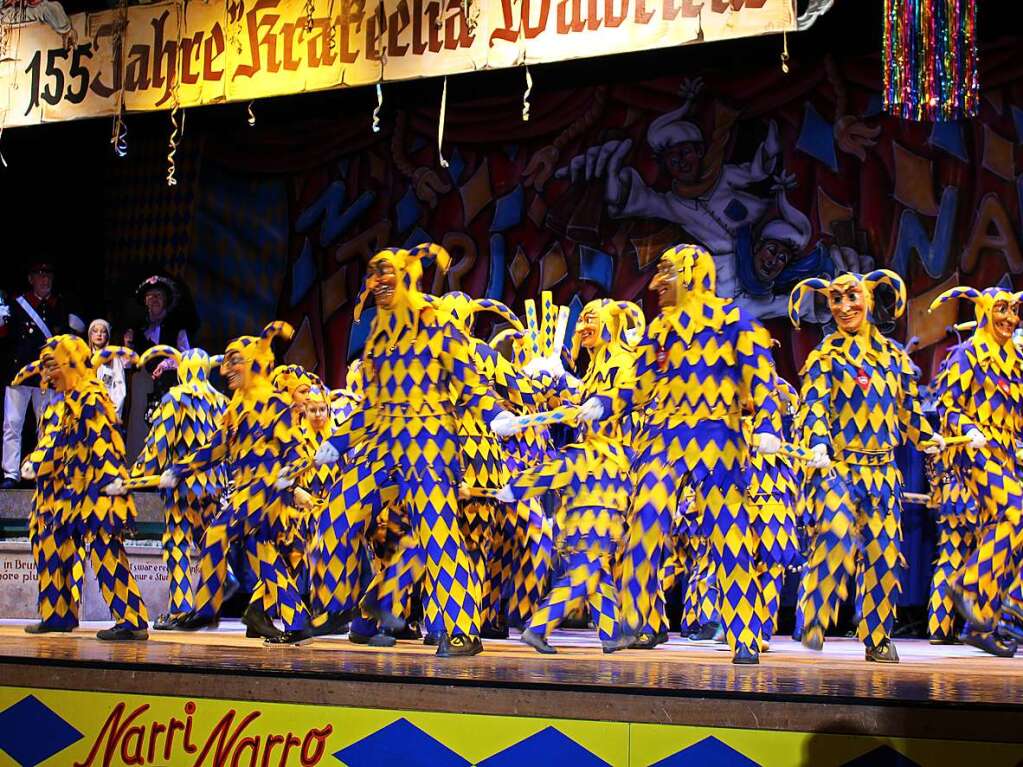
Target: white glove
x=115 y=488
x=505 y=424
x=938 y=444
x=591 y=410
x=768 y=444
x=28 y=470
x=169 y=480
x=820 y=458
x=505 y=495
x=326 y=454
x=283 y=483
x=302 y=499
x=977 y=440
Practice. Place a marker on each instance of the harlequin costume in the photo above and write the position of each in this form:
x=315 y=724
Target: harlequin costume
x=860 y=397
x=417 y=371
x=256 y=441
x=186 y=418
x=85 y=458
x=700 y=362
x=594 y=477
x=981 y=395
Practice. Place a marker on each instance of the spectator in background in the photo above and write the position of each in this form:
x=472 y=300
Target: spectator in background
x=36 y=315
x=112 y=373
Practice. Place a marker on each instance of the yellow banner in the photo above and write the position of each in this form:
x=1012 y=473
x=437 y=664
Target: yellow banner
x=61 y=728
x=55 y=67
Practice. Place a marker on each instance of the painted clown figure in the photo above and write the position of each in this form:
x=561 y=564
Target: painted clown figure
x=860 y=398
x=981 y=397
x=701 y=363
x=417 y=370
x=186 y=419
x=256 y=441
x=87 y=460
x=594 y=474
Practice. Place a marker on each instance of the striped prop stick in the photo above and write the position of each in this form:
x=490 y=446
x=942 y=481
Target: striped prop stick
x=548 y=319
x=959 y=439
x=790 y=450
x=916 y=498
x=149 y=482
x=479 y=492
x=564 y=414
x=533 y=326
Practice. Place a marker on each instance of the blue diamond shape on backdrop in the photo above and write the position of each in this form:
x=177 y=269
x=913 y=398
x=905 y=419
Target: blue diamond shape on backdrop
x=596 y=266
x=709 y=752
x=498 y=258
x=407 y=210
x=575 y=307
x=874 y=105
x=456 y=165
x=883 y=756
x=399 y=743
x=418 y=237
x=508 y=210
x=949 y=137
x=360 y=331
x=303 y=273
x=30 y=732
x=1017 y=118
x=547 y=747
x=512 y=150
x=817 y=138
x=418 y=142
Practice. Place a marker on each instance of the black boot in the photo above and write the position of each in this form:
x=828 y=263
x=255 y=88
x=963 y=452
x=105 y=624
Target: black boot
x=991 y=643
x=194 y=622
x=813 y=637
x=491 y=632
x=259 y=623
x=42 y=628
x=609 y=646
x=122 y=634
x=458 y=646
x=431 y=640
x=379 y=639
x=644 y=641
x=411 y=631
x=745 y=656
x=705 y=633
x=883 y=653
x=166 y=622
x=537 y=642
x=332 y=623
x=289 y=639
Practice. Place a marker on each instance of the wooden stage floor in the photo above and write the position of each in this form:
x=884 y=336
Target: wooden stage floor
x=947 y=692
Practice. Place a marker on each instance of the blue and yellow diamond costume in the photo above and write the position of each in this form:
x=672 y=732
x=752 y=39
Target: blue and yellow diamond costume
x=417 y=369
x=860 y=397
x=85 y=455
x=186 y=419
x=701 y=362
x=981 y=388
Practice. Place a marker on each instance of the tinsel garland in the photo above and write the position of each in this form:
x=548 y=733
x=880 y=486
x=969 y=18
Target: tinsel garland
x=930 y=59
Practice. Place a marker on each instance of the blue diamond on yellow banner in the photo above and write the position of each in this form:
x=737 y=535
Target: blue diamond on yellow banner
x=709 y=752
x=399 y=743
x=883 y=756
x=549 y=746
x=30 y=732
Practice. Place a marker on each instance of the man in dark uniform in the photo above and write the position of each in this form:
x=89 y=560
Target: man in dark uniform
x=34 y=316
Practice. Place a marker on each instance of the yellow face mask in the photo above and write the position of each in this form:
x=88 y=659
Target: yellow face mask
x=604 y=322
x=67 y=363
x=850 y=295
x=251 y=358
x=685 y=273
x=996 y=310
x=193 y=365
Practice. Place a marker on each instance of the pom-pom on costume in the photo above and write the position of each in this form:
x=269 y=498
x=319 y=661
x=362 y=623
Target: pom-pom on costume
x=256 y=441
x=701 y=362
x=85 y=455
x=859 y=392
x=595 y=476
x=186 y=418
x=981 y=391
x=417 y=370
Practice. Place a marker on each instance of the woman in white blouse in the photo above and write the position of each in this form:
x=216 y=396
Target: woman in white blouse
x=112 y=373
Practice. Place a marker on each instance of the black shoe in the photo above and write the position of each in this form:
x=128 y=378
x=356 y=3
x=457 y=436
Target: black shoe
x=257 y=621
x=8 y=484
x=431 y=640
x=377 y=640
x=42 y=628
x=609 y=646
x=289 y=639
x=194 y=622
x=661 y=637
x=1009 y=629
x=645 y=641
x=166 y=622
x=537 y=642
x=411 y=631
x=967 y=607
x=705 y=633
x=489 y=632
x=458 y=646
x=939 y=638
x=122 y=634
x=333 y=623
x=883 y=653
x=1013 y=612
x=813 y=637
x=745 y=656
x=991 y=643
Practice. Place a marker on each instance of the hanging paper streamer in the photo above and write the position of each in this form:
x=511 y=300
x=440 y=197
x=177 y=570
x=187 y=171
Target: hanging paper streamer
x=929 y=63
x=440 y=125
x=376 y=112
x=525 y=96
x=252 y=116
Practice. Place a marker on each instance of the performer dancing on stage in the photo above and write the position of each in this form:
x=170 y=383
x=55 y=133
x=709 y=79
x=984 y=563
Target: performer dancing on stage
x=981 y=397
x=860 y=398
x=417 y=370
x=700 y=362
x=256 y=440
x=86 y=459
x=185 y=420
x=595 y=475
